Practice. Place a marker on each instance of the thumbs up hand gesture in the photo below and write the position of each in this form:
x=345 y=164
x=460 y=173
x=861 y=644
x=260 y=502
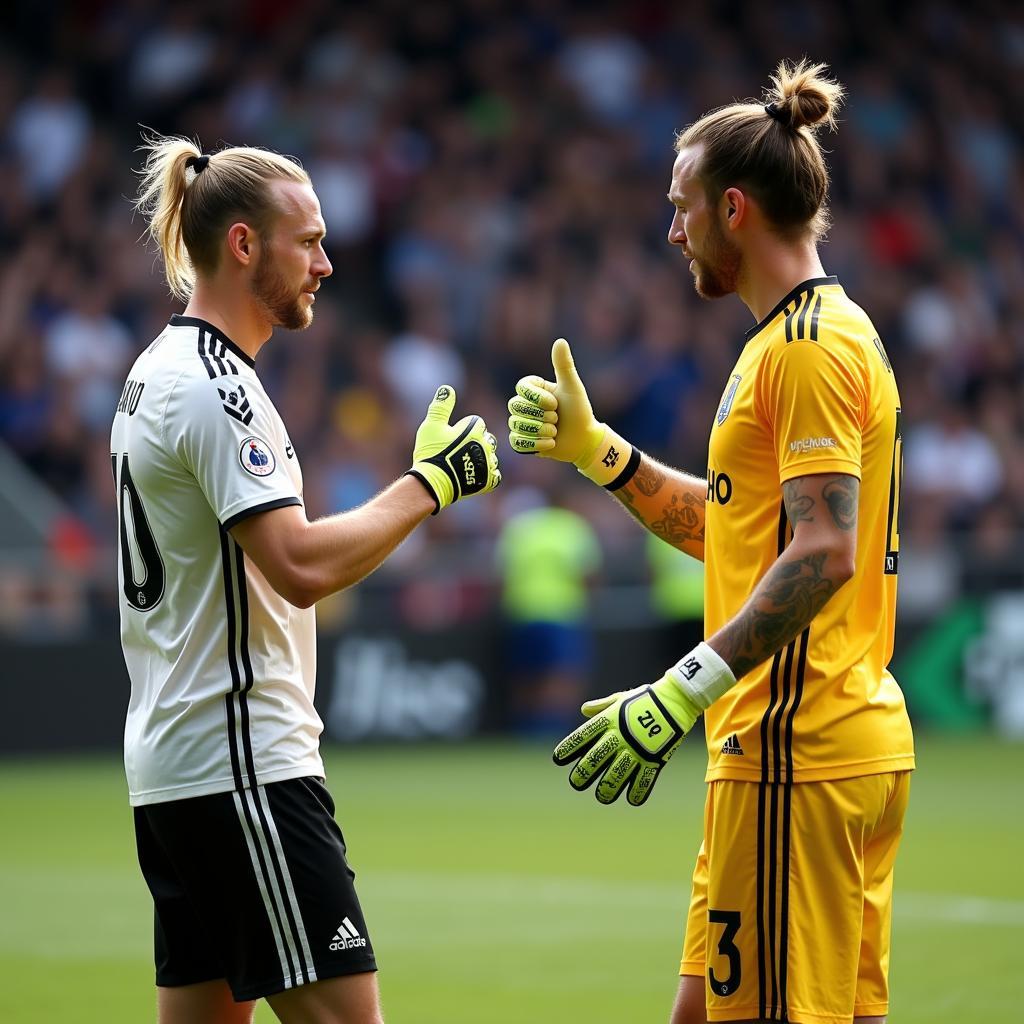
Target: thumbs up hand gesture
x=453 y=460
x=554 y=419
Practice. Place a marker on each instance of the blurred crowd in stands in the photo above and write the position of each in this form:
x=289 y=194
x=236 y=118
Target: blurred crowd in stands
x=493 y=176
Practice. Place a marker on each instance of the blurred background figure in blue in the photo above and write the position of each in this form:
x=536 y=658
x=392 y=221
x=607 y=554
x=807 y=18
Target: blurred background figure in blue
x=547 y=558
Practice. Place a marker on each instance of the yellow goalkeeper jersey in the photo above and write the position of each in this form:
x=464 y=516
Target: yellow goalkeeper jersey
x=812 y=392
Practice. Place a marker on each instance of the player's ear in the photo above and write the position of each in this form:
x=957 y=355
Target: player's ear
x=734 y=207
x=241 y=240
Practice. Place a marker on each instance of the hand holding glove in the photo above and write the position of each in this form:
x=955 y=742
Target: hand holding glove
x=554 y=419
x=631 y=735
x=453 y=460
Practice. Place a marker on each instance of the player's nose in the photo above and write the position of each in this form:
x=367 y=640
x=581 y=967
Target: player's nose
x=322 y=267
x=676 y=234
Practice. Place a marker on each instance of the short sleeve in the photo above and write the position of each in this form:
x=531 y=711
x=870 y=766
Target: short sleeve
x=228 y=436
x=815 y=404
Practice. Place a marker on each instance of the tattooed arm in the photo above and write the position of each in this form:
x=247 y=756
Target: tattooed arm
x=668 y=503
x=822 y=510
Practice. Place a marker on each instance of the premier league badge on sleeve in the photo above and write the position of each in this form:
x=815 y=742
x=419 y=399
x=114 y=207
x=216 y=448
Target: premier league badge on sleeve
x=256 y=457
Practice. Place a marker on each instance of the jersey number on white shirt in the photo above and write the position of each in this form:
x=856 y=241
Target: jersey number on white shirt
x=141 y=563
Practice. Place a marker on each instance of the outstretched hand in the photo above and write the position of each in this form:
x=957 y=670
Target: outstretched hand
x=457 y=460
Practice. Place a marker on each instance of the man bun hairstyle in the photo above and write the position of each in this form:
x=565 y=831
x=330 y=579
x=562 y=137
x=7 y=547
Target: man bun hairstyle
x=769 y=149
x=190 y=198
x=803 y=96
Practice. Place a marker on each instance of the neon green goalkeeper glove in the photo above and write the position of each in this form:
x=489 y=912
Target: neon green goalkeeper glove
x=554 y=419
x=453 y=460
x=631 y=735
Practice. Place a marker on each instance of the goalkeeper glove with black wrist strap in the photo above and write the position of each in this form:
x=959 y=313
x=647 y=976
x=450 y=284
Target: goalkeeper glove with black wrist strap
x=554 y=419
x=453 y=461
x=631 y=735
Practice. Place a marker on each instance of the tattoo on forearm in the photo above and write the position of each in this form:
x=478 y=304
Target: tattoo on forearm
x=648 y=479
x=841 y=496
x=784 y=603
x=679 y=520
x=798 y=506
x=627 y=497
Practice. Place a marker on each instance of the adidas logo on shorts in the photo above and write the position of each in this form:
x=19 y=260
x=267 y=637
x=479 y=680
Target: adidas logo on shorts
x=348 y=937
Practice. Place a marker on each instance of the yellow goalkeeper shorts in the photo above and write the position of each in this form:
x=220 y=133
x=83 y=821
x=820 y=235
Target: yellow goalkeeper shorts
x=792 y=899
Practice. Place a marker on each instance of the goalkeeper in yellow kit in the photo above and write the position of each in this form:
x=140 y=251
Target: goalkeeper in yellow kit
x=809 y=742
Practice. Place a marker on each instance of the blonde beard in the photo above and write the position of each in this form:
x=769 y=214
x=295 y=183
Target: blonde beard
x=282 y=307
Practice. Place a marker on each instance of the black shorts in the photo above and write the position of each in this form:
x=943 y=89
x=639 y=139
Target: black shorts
x=252 y=887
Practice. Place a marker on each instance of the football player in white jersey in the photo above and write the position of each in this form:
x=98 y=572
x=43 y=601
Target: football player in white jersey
x=219 y=570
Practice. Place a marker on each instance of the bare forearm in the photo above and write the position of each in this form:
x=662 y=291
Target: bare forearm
x=306 y=561
x=668 y=503
x=343 y=549
x=782 y=606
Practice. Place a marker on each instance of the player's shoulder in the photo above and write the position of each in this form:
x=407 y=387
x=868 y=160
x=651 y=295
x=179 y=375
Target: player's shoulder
x=207 y=375
x=842 y=321
x=819 y=314
x=199 y=350
x=204 y=361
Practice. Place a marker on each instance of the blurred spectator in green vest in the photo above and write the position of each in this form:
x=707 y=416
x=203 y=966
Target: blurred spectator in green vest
x=545 y=557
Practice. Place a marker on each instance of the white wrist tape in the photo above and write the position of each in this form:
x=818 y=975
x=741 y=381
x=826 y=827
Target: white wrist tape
x=702 y=675
x=613 y=463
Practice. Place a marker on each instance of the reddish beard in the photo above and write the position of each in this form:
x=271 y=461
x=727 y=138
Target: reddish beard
x=281 y=301
x=718 y=267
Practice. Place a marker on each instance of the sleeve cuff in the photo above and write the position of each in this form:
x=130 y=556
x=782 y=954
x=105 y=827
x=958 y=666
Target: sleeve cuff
x=814 y=467
x=427 y=486
x=253 y=510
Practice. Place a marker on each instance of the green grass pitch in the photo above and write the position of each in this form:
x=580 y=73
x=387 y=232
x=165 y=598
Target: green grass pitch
x=496 y=895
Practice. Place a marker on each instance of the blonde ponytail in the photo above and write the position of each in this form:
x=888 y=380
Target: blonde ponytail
x=161 y=196
x=189 y=200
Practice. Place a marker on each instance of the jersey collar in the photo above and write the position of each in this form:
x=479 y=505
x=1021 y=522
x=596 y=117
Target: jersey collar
x=804 y=286
x=193 y=321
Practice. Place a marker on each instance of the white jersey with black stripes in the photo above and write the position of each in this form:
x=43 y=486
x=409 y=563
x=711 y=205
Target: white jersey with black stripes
x=222 y=668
